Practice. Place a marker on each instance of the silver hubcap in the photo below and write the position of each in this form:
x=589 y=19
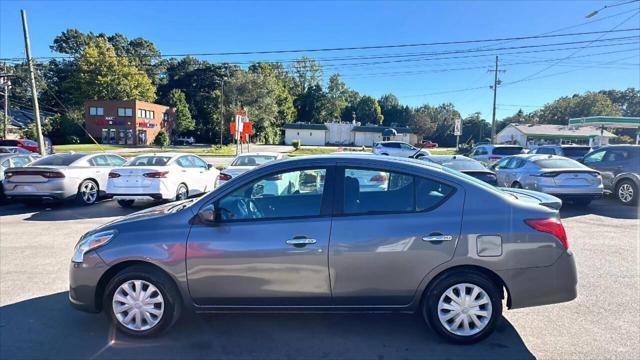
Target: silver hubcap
x=464 y=309
x=89 y=192
x=138 y=305
x=182 y=193
x=625 y=193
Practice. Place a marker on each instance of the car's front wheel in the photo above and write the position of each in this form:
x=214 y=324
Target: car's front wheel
x=627 y=192
x=463 y=307
x=142 y=301
x=87 y=193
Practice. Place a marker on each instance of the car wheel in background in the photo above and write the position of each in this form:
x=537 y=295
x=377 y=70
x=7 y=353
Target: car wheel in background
x=182 y=193
x=142 y=301
x=463 y=307
x=627 y=192
x=126 y=203
x=87 y=193
x=516 y=185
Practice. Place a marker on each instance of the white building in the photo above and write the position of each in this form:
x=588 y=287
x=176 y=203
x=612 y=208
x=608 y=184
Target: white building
x=308 y=134
x=367 y=135
x=530 y=135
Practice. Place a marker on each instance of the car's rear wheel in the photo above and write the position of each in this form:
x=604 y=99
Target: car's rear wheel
x=627 y=192
x=126 y=203
x=142 y=301
x=463 y=307
x=182 y=193
x=87 y=193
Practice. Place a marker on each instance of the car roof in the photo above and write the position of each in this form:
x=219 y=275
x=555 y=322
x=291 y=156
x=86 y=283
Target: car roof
x=261 y=153
x=450 y=158
x=164 y=154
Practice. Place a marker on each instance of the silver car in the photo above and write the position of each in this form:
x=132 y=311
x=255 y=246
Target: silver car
x=10 y=159
x=76 y=176
x=245 y=162
x=551 y=174
x=432 y=241
x=399 y=148
x=488 y=153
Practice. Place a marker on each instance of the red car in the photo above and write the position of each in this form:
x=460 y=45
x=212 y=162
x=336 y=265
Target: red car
x=22 y=143
x=429 y=144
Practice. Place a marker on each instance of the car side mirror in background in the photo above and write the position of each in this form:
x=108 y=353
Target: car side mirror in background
x=209 y=166
x=207 y=214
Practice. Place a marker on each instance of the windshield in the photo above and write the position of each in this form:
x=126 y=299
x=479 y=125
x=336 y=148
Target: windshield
x=576 y=151
x=252 y=160
x=149 y=161
x=58 y=160
x=478 y=182
x=464 y=165
x=558 y=163
x=507 y=150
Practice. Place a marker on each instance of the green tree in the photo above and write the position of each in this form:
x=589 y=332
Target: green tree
x=368 y=111
x=305 y=73
x=162 y=139
x=394 y=113
x=184 y=121
x=474 y=129
x=103 y=75
x=421 y=123
x=590 y=104
x=336 y=99
x=310 y=105
x=66 y=128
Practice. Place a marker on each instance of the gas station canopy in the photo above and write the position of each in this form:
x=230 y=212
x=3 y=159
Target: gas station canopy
x=607 y=121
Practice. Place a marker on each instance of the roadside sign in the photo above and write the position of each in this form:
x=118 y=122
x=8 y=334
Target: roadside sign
x=457 y=128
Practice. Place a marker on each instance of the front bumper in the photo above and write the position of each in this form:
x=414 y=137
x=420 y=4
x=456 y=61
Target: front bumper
x=552 y=284
x=83 y=282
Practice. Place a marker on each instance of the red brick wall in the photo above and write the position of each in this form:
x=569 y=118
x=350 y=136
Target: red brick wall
x=110 y=120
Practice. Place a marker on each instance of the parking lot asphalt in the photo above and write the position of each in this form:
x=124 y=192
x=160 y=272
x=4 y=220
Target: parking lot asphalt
x=36 y=321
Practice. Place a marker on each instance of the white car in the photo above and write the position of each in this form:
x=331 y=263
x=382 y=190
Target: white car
x=245 y=162
x=399 y=148
x=162 y=176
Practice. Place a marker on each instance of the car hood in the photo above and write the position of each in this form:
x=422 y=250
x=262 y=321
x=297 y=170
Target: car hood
x=535 y=197
x=150 y=213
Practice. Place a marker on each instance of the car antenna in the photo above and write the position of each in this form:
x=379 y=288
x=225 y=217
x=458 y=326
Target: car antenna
x=417 y=152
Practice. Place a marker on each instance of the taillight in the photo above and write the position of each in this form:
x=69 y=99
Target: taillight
x=494 y=158
x=156 y=174
x=549 y=174
x=8 y=174
x=52 y=175
x=114 y=175
x=224 y=177
x=551 y=226
x=378 y=178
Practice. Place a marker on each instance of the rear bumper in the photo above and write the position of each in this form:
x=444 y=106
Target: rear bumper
x=52 y=189
x=154 y=196
x=544 y=285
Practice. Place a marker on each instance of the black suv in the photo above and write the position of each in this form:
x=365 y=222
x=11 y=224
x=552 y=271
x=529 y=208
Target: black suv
x=619 y=166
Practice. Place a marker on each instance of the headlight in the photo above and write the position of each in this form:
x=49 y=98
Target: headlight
x=93 y=241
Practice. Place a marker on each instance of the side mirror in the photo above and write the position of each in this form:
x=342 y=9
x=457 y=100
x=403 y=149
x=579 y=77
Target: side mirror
x=207 y=214
x=209 y=166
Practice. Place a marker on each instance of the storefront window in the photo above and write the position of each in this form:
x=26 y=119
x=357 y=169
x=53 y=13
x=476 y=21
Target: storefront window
x=105 y=136
x=142 y=137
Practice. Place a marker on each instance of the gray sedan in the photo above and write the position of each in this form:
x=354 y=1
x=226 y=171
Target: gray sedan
x=431 y=240
x=551 y=174
x=81 y=177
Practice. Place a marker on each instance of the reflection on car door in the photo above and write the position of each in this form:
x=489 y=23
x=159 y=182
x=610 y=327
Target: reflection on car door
x=385 y=240
x=265 y=249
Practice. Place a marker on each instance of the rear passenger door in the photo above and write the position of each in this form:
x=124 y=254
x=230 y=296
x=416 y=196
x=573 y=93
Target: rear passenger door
x=389 y=230
x=100 y=170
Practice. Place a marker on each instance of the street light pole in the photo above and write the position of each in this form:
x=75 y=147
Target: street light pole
x=495 y=93
x=34 y=91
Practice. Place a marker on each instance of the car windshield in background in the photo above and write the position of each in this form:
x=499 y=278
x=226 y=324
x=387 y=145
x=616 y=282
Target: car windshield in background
x=253 y=160
x=58 y=160
x=558 y=164
x=149 y=161
x=576 y=151
x=464 y=165
x=507 y=150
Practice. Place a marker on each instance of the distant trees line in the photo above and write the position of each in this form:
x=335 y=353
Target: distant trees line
x=101 y=66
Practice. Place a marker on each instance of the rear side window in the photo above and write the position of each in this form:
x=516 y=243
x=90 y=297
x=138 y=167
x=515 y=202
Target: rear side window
x=59 y=160
x=480 y=151
x=430 y=194
x=20 y=161
x=99 y=160
x=507 y=150
x=149 y=161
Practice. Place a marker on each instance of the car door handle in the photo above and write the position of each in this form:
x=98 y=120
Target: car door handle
x=300 y=242
x=437 y=238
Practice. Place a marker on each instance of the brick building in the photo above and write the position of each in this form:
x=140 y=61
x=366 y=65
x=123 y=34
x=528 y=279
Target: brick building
x=127 y=122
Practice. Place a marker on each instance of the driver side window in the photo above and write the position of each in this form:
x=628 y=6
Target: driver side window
x=595 y=157
x=284 y=195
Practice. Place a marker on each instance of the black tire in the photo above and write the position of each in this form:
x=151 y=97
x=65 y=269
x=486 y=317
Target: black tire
x=630 y=188
x=166 y=287
x=385 y=154
x=83 y=200
x=435 y=292
x=126 y=203
x=516 y=185
x=180 y=194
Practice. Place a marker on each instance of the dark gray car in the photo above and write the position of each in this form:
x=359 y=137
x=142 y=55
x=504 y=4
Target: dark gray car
x=431 y=240
x=619 y=166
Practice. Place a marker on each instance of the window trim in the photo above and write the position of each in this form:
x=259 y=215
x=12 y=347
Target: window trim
x=338 y=209
x=326 y=202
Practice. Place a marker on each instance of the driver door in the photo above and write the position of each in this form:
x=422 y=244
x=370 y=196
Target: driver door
x=266 y=248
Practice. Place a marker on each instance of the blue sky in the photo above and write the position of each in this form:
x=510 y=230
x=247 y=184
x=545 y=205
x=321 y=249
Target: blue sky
x=205 y=27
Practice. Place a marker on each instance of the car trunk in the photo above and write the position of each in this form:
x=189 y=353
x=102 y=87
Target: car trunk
x=133 y=176
x=535 y=197
x=33 y=174
x=571 y=177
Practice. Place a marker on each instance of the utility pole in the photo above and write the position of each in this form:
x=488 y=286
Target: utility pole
x=496 y=82
x=7 y=84
x=34 y=91
x=222 y=111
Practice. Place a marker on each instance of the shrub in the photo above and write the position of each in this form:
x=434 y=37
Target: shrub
x=162 y=139
x=296 y=144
